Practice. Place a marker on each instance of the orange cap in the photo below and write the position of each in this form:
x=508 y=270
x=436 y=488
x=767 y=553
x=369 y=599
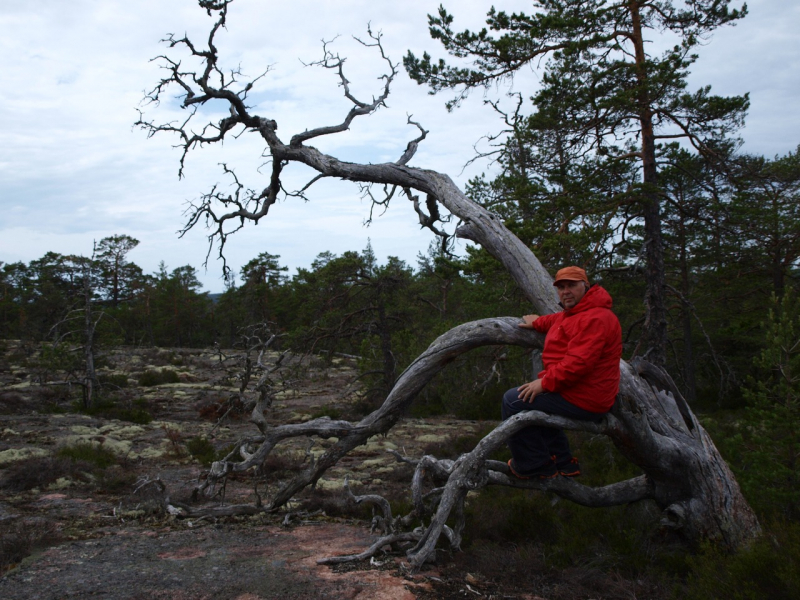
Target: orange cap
x=571 y=274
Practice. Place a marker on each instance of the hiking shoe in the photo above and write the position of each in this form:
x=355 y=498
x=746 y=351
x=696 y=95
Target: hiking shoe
x=570 y=468
x=546 y=471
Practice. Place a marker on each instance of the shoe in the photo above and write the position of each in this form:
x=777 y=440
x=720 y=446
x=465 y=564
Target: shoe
x=570 y=468
x=546 y=471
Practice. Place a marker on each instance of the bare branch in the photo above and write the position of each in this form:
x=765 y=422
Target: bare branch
x=429 y=220
x=412 y=146
x=335 y=62
x=372 y=550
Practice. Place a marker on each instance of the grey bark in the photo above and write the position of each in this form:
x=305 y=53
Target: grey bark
x=89 y=326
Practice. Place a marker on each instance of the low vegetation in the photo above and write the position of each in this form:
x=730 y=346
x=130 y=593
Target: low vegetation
x=19 y=538
x=514 y=539
x=153 y=377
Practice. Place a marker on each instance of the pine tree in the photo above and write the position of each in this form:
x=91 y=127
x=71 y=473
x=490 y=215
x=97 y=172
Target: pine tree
x=607 y=98
x=770 y=440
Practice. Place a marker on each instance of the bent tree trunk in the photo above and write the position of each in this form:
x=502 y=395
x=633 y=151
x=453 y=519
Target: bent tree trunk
x=653 y=427
x=691 y=481
x=650 y=423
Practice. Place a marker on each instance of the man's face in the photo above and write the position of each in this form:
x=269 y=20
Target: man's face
x=570 y=292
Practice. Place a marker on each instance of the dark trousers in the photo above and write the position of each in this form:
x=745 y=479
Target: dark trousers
x=533 y=446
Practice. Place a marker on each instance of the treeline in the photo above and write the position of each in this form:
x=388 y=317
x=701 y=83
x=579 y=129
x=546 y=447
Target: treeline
x=350 y=304
x=43 y=300
x=732 y=243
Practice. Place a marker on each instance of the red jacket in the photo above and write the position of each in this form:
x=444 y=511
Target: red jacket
x=582 y=352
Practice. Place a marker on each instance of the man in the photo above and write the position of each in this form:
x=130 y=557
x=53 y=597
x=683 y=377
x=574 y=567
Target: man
x=580 y=379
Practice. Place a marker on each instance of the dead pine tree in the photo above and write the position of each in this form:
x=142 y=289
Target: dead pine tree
x=76 y=331
x=89 y=328
x=650 y=424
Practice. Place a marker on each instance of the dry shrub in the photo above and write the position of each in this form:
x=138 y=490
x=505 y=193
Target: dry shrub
x=147 y=499
x=153 y=377
x=524 y=571
x=116 y=479
x=275 y=465
x=213 y=407
x=157 y=357
x=20 y=537
x=209 y=410
x=52 y=399
x=400 y=473
x=175 y=441
x=11 y=402
x=33 y=473
x=334 y=504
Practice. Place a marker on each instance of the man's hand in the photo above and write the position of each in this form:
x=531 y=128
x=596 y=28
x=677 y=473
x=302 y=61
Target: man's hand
x=528 y=321
x=528 y=391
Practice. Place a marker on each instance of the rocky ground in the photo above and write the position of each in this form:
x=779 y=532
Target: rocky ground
x=76 y=529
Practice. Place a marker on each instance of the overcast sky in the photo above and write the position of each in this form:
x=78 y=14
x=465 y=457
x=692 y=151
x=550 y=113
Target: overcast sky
x=74 y=170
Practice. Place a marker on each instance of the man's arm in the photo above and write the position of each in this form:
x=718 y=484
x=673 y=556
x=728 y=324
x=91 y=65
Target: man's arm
x=540 y=323
x=583 y=353
x=528 y=391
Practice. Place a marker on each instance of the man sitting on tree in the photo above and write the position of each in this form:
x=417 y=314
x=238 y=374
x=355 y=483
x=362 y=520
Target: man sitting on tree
x=580 y=380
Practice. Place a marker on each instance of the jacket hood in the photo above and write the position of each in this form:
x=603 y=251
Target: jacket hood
x=595 y=297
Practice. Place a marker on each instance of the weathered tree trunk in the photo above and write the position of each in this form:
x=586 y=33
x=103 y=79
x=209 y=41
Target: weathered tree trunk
x=650 y=424
x=692 y=483
x=89 y=326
